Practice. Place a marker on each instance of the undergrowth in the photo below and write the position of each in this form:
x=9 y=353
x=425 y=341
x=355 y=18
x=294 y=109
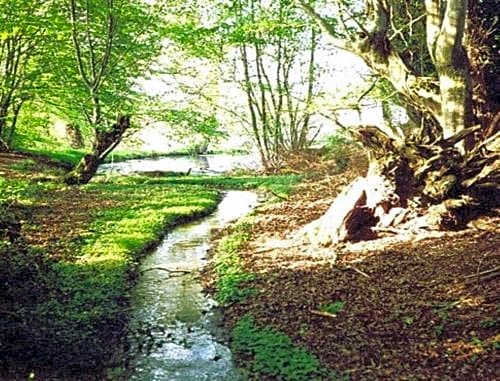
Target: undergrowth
x=279 y=185
x=70 y=314
x=230 y=274
x=340 y=148
x=272 y=353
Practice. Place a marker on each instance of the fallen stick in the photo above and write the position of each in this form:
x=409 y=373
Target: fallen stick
x=484 y=277
x=483 y=272
x=323 y=313
x=356 y=270
x=168 y=270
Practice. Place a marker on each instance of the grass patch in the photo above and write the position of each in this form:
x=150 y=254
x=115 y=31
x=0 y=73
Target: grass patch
x=281 y=185
x=272 y=353
x=45 y=146
x=77 y=318
x=229 y=271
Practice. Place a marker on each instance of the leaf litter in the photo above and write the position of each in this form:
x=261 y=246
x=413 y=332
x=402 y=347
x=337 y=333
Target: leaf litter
x=421 y=307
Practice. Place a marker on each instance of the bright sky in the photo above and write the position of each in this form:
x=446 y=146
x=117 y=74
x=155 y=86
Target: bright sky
x=345 y=72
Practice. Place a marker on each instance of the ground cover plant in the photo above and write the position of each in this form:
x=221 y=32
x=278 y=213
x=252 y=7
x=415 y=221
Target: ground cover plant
x=80 y=304
x=397 y=279
x=272 y=355
x=230 y=275
x=73 y=259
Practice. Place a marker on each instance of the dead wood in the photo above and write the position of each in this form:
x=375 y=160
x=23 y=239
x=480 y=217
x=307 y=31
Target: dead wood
x=172 y=271
x=323 y=313
x=411 y=185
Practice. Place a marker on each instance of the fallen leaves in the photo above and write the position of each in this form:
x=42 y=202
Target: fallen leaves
x=422 y=308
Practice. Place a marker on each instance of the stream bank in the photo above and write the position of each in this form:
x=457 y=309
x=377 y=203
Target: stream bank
x=89 y=240
x=417 y=307
x=168 y=304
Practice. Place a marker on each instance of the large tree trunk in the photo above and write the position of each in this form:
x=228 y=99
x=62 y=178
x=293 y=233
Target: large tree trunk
x=429 y=178
x=412 y=186
x=105 y=142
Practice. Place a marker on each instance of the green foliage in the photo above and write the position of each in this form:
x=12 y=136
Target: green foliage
x=273 y=354
x=25 y=165
x=490 y=323
x=340 y=148
x=12 y=190
x=477 y=342
x=96 y=59
x=276 y=184
x=230 y=274
x=78 y=312
x=34 y=136
x=193 y=127
x=408 y=320
x=22 y=192
x=442 y=312
x=333 y=307
x=23 y=27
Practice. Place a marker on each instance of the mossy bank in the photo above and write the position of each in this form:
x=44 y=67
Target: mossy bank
x=70 y=268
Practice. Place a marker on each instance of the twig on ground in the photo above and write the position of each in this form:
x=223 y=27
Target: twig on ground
x=483 y=275
x=485 y=272
x=356 y=270
x=323 y=313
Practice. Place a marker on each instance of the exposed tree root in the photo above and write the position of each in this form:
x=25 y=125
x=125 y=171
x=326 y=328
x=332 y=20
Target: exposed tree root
x=410 y=187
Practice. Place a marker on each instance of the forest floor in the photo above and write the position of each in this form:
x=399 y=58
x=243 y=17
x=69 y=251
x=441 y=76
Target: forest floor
x=413 y=307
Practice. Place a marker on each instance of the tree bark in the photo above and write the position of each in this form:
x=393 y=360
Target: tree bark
x=424 y=178
x=106 y=141
x=412 y=186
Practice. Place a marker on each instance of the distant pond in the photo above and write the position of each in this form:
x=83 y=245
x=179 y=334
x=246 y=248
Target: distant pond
x=200 y=164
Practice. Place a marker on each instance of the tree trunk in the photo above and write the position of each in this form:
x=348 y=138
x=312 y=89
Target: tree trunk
x=74 y=134
x=3 y=146
x=106 y=141
x=426 y=178
x=412 y=186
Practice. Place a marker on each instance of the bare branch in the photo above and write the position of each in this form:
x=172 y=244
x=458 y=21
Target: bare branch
x=324 y=25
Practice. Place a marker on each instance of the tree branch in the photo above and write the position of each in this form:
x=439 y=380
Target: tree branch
x=324 y=25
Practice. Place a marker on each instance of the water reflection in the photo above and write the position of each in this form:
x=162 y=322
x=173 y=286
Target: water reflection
x=202 y=164
x=177 y=317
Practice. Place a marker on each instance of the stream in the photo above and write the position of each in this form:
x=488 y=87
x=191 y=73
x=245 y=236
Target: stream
x=174 y=331
x=179 y=319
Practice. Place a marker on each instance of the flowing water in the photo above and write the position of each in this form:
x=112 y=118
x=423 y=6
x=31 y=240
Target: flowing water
x=173 y=325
